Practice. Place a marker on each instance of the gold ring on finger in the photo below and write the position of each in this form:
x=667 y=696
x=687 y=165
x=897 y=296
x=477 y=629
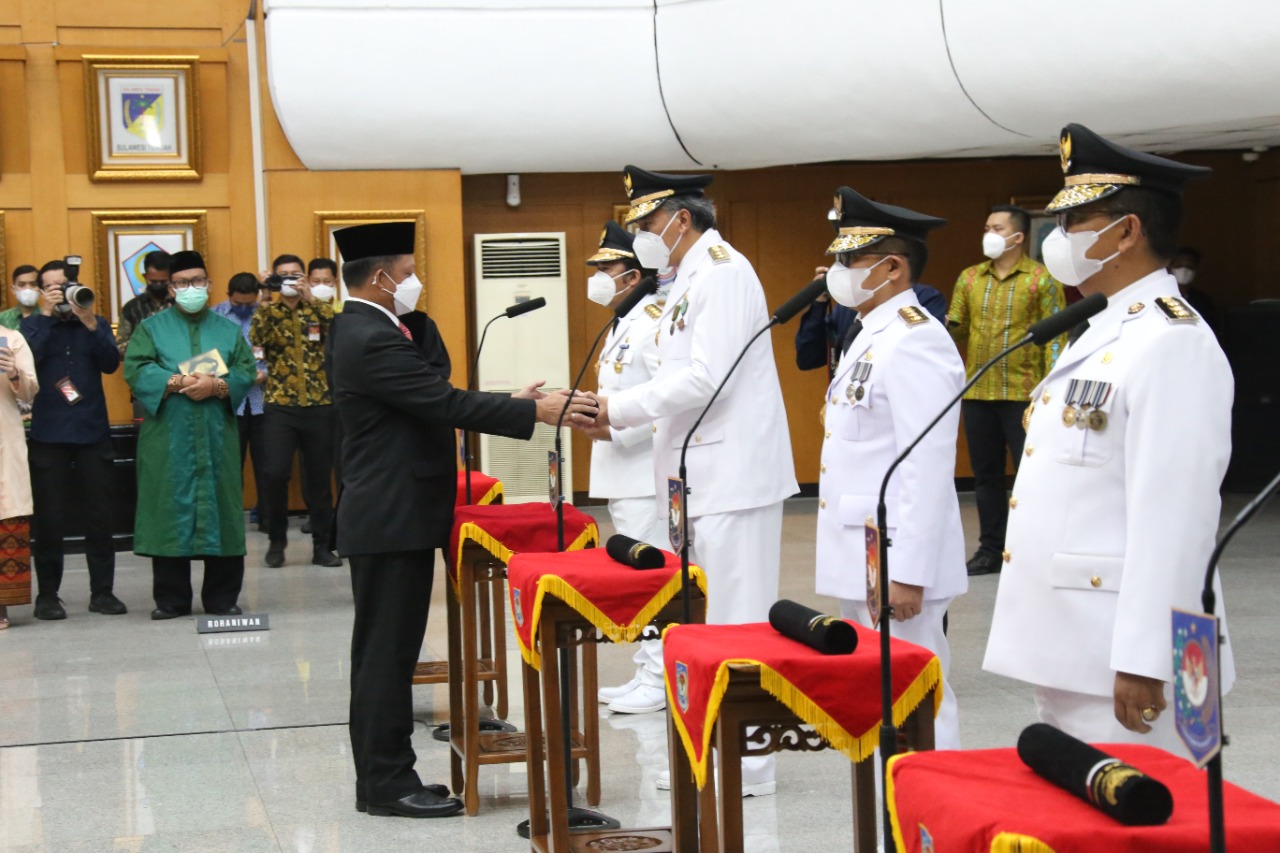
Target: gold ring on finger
x=1149 y=713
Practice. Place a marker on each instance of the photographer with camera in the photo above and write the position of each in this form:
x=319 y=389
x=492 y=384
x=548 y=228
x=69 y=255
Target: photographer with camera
x=299 y=413
x=70 y=449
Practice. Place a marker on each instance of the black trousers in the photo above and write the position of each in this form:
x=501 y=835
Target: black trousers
x=253 y=441
x=71 y=478
x=993 y=429
x=289 y=429
x=392 y=594
x=171 y=582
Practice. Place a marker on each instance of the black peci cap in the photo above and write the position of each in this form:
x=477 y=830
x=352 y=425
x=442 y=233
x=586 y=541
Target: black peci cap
x=378 y=239
x=615 y=245
x=1095 y=168
x=861 y=222
x=647 y=190
x=186 y=260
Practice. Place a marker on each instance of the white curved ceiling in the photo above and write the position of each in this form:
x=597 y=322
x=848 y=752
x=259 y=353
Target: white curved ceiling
x=588 y=85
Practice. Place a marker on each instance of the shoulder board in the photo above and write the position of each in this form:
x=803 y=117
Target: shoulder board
x=719 y=254
x=653 y=311
x=913 y=315
x=1175 y=310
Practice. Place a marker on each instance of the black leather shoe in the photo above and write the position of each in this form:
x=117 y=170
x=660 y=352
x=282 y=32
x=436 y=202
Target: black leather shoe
x=324 y=557
x=169 y=613
x=984 y=563
x=421 y=803
x=233 y=610
x=441 y=791
x=275 y=556
x=107 y=604
x=50 y=607
x=306 y=528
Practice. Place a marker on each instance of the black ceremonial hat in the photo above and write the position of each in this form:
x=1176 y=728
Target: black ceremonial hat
x=187 y=260
x=861 y=222
x=615 y=245
x=647 y=190
x=1095 y=168
x=377 y=239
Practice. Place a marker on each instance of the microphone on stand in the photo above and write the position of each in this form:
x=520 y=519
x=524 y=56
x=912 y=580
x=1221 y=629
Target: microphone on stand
x=1039 y=333
x=785 y=312
x=513 y=311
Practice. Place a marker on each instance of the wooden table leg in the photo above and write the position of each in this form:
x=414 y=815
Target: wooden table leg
x=865 y=812
x=452 y=618
x=728 y=737
x=534 y=746
x=486 y=632
x=575 y=767
x=470 y=691
x=500 y=638
x=557 y=772
x=684 y=795
x=591 y=718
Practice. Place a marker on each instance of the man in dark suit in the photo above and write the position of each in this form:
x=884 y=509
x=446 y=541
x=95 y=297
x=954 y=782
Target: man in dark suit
x=399 y=478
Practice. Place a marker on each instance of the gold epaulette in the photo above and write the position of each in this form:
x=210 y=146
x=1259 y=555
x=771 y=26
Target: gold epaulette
x=653 y=311
x=913 y=315
x=719 y=254
x=1175 y=310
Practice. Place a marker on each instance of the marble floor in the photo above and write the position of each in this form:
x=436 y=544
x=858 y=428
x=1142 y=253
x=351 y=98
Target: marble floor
x=122 y=734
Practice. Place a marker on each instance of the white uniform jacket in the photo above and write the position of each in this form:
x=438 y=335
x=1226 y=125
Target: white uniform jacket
x=623 y=467
x=740 y=457
x=1112 y=525
x=899 y=372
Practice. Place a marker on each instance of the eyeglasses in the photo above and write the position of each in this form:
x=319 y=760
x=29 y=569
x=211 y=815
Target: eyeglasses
x=201 y=283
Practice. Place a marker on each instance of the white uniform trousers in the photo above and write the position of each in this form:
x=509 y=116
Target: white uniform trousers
x=924 y=630
x=1093 y=719
x=638 y=518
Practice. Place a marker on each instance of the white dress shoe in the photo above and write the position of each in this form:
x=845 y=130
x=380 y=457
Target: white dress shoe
x=608 y=694
x=644 y=699
x=759 y=789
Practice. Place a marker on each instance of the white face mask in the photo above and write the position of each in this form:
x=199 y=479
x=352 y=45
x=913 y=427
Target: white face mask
x=27 y=297
x=323 y=292
x=652 y=252
x=1065 y=254
x=407 y=294
x=845 y=283
x=602 y=287
x=288 y=291
x=1182 y=275
x=994 y=245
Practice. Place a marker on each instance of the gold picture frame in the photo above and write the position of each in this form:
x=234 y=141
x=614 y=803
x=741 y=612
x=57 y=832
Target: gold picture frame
x=143 y=117
x=328 y=221
x=122 y=238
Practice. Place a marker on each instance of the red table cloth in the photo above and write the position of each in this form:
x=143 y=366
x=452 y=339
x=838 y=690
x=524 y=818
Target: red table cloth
x=838 y=695
x=506 y=529
x=617 y=599
x=988 y=800
x=484 y=489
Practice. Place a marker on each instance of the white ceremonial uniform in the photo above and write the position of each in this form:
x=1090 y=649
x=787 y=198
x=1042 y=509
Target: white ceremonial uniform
x=900 y=369
x=1112 y=523
x=739 y=463
x=622 y=468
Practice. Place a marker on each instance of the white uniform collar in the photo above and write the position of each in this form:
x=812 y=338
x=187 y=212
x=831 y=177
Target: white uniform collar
x=880 y=316
x=698 y=251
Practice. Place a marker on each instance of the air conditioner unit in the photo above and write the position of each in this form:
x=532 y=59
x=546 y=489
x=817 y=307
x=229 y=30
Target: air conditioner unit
x=513 y=268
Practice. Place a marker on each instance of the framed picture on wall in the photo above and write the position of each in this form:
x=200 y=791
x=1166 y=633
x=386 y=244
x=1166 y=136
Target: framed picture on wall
x=1041 y=223
x=123 y=239
x=328 y=221
x=143 y=118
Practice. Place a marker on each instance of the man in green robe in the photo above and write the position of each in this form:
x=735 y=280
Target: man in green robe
x=190 y=368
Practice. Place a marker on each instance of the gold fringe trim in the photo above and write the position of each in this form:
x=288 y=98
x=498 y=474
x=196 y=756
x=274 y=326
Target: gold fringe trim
x=629 y=633
x=495 y=492
x=472 y=532
x=892 y=802
x=1011 y=842
x=856 y=749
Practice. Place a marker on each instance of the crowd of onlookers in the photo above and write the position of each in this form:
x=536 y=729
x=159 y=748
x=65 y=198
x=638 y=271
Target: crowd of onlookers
x=211 y=385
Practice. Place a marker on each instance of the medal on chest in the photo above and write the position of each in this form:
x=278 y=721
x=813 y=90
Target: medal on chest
x=678 y=315
x=622 y=354
x=1083 y=408
x=856 y=389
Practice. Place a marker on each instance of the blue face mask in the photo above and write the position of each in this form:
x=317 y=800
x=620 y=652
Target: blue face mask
x=244 y=312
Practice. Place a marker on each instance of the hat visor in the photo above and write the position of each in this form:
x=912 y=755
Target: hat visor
x=853 y=242
x=604 y=256
x=1069 y=197
x=641 y=209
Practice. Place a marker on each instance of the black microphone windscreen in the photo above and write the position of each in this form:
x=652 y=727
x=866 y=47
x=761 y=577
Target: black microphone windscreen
x=640 y=291
x=526 y=306
x=634 y=553
x=1066 y=319
x=828 y=634
x=1103 y=781
x=800 y=301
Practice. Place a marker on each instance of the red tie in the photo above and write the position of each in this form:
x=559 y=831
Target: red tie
x=404 y=330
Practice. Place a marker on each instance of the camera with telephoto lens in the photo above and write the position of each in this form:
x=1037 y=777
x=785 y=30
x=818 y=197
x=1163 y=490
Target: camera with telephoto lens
x=274 y=282
x=73 y=292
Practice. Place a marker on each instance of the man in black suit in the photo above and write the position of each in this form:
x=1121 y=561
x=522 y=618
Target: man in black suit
x=399 y=479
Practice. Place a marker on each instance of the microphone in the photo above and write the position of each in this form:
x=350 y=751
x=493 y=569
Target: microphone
x=526 y=306
x=1067 y=319
x=513 y=311
x=800 y=301
x=1039 y=333
x=789 y=309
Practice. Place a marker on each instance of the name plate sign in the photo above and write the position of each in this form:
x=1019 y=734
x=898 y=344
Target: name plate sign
x=208 y=624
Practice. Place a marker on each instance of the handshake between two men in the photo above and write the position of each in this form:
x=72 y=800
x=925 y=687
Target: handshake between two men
x=584 y=411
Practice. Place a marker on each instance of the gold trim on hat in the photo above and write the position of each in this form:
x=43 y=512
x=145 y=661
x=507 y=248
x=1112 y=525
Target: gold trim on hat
x=1069 y=197
x=857 y=237
x=1124 y=180
x=605 y=255
x=646 y=204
